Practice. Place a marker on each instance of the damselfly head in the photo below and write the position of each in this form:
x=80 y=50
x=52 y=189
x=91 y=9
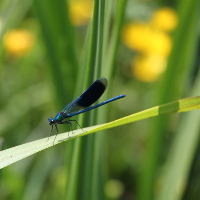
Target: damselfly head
x=51 y=121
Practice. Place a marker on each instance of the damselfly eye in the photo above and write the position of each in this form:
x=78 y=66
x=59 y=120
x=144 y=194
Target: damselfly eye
x=51 y=121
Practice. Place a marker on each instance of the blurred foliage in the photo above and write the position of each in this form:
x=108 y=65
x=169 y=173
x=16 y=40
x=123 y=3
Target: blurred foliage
x=45 y=48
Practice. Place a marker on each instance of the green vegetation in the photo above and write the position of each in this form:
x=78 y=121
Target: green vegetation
x=51 y=52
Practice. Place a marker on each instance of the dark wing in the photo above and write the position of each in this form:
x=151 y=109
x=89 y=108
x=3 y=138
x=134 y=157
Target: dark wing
x=91 y=95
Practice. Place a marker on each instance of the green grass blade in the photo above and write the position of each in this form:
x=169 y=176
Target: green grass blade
x=14 y=154
x=60 y=43
x=110 y=55
x=178 y=165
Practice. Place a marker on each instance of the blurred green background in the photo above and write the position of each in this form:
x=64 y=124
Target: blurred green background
x=148 y=50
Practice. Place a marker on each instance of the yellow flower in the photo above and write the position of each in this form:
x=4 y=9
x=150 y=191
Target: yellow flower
x=158 y=43
x=165 y=19
x=18 y=42
x=80 y=11
x=148 y=68
x=146 y=39
x=135 y=36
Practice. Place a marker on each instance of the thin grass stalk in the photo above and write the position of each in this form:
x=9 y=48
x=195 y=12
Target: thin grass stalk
x=110 y=55
x=84 y=148
x=97 y=191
